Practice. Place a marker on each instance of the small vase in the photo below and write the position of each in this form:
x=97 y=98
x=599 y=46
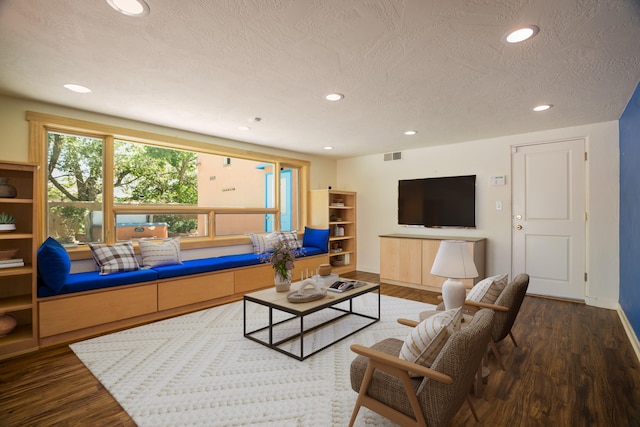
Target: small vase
x=6 y=190
x=7 y=324
x=283 y=284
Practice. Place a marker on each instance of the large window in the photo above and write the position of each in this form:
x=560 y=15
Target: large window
x=74 y=185
x=100 y=187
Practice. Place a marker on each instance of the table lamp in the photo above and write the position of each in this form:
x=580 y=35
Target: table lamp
x=454 y=261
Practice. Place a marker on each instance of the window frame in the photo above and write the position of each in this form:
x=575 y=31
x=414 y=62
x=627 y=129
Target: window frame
x=40 y=124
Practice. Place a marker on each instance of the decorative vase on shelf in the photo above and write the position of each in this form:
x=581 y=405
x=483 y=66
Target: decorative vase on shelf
x=6 y=190
x=7 y=324
x=283 y=284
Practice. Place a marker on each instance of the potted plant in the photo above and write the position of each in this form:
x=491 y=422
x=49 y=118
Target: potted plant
x=7 y=222
x=281 y=259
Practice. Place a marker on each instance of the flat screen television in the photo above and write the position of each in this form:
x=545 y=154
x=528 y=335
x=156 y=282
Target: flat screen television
x=438 y=202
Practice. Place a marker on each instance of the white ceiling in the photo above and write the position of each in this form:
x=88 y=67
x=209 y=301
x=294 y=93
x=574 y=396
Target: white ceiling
x=435 y=66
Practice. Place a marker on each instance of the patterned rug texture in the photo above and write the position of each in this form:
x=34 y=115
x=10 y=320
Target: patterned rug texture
x=199 y=369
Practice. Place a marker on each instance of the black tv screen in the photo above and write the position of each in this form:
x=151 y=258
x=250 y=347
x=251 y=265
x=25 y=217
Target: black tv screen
x=438 y=202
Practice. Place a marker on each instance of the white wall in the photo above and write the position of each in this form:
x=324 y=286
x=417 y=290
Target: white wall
x=14 y=138
x=376 y=182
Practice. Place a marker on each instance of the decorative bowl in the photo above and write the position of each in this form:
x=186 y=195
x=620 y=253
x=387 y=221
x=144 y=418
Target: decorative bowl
x=7 y=324
x=8 y=253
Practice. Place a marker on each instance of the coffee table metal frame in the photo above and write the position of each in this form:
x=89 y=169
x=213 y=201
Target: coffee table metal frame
x=304 y=309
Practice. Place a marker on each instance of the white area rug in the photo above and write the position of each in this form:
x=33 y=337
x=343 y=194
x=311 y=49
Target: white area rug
x=199 y=370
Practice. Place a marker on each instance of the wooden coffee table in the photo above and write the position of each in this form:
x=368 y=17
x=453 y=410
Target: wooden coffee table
x=282 y=333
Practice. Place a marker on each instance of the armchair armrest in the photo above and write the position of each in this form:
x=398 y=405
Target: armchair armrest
x=474 y=305
x=396 y=362
x=408 y=322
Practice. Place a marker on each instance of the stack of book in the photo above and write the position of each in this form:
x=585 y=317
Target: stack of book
x=13 y=262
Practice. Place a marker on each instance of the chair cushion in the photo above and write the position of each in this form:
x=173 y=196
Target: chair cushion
x=158 y=252
x=316 y=238
x=54 y=264
x=114 y=258
x=488 y=290
x=263 y=243
x=425 y=341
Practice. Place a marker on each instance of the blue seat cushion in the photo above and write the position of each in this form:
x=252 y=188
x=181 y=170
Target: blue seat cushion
x=205 y=265
x=91 y=280
x=316 y=238
x=54 y=264
x=309 y=251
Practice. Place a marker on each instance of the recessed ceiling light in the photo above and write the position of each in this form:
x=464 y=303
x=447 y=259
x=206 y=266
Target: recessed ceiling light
x=410 y=132
x=521 y=34
x=334 y=97
x=135 y=8
x=244 y=128
x=328 y=147
x=543 y=107
x=77 y=88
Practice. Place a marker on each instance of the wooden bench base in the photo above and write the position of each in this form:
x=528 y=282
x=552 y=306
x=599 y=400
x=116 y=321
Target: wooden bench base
x=71 y=317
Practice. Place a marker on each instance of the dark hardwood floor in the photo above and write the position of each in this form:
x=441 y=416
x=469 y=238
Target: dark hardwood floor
x=573 y=366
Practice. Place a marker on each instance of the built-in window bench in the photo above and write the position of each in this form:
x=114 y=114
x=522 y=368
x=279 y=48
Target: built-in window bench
x=90 y=304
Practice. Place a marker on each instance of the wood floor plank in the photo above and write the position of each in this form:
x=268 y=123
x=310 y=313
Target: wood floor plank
x=573 y=366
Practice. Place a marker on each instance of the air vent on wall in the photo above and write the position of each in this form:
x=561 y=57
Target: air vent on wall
x=393 y=156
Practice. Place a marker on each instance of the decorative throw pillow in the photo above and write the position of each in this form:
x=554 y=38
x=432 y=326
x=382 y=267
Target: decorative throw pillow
x=316 y=238
x=488 y=290
x=114 y=258
x=290 y=239
x=263 y=243
x=424 y=342
x=54 y=264
x=159 y=252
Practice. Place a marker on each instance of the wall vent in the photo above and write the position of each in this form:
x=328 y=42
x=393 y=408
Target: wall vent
x=393 y=156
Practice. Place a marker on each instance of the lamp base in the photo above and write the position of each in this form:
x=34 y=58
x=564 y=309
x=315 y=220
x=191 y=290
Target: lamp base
x=453 y=293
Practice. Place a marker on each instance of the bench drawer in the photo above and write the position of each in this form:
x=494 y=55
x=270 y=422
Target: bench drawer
x=82 y=311
x=193 y=289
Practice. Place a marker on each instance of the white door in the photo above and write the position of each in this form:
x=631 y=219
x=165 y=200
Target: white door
x=549 y=215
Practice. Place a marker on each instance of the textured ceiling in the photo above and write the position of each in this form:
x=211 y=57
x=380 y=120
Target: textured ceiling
x=435 y=66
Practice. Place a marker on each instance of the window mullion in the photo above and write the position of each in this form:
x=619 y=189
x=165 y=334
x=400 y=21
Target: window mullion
x=107 y=190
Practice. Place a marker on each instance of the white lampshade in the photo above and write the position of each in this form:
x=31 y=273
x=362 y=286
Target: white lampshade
x=454 y=261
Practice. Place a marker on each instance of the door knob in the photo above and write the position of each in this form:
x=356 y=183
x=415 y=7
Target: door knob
x=518 y=227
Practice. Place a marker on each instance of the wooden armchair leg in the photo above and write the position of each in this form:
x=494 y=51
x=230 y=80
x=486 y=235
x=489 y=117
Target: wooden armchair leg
x=368 y=376
x=513 y=339
x=473 y=409
x=497 y=354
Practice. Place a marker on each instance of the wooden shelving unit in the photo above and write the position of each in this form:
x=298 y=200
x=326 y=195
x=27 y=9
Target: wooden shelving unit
x=18 y=284
x=336 y=209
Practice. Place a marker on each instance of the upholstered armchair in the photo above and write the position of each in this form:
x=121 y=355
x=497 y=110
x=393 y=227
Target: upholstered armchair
x=411 y=394
x=506 y=307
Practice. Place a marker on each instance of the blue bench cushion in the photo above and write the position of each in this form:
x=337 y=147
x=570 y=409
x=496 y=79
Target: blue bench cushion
x=79 y=282
x=91 y=280
x=205 y=265
x=309 y=251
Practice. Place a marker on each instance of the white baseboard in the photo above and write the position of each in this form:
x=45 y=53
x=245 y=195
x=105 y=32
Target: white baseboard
x=633 y=338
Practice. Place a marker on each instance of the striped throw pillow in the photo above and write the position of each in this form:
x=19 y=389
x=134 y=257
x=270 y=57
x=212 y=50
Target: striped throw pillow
x=263 y=243
x=424 y=342
x=159 y=252
x=488 y=290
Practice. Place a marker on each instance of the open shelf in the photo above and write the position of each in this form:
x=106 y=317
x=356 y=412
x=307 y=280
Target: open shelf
x=18 y=284
x=336 y=210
